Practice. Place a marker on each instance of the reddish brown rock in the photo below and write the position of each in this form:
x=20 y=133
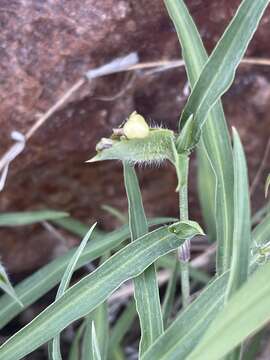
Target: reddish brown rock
x=45 y=47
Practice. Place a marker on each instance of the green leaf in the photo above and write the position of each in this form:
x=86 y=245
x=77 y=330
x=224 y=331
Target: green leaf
x=245 y=313
x=186 y=331
x=152 y=149
x=76 y=227
x=88 y=293
x=188 y=328
x=116 y=213
x=215 y=172
x=185 y=136
x=219 y=71
x=74 y=353
x=95 y=349
x=260 y=246
x=242 y=223
x=100 y=318
x=43 y=280
x=267 y=184
x=90 y=344
x=146 y=292
x=29 y=217
x=170 y=292
x=54 y=346
x=186 y=229
x=7 y=287
x=242 y=227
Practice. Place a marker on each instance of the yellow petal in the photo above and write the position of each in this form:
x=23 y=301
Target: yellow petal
x=136 y=127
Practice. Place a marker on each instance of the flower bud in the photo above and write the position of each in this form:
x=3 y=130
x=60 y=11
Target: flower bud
x=136 y=127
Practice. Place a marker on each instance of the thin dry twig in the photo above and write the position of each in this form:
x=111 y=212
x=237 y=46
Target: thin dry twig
x=54 y=108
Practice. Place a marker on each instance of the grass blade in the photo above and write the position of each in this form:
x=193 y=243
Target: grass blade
x=242 y=228
x=54 y=346
x=216 y=169
x=95 y=348
x=90 y=345
x=115 y=213
x=260 y=246
x=189 y=327
x=170 y=293
x=145 y=286
x=7 y=287
x=219 y=71
x=38 y=284
x=29 y=217
x=186 y=331
x=76 y=227
x=74 y=353
x=88 y=293
x=242 y=223
x=246 y=312
x=98 y=317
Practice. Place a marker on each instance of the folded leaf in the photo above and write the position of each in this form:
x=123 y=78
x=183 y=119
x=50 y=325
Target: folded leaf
x=154 y=148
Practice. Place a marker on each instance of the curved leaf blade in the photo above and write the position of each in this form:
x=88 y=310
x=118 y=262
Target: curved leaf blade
x=242 y=227
x=246 y=312
x=30 y=217
x=156 y=147
x=219 y=71
x=54 y=346
x=43 y=280
x=215 y=165
x=91 y=291
x=242 y=221
x=188 y=328
x=146 y=291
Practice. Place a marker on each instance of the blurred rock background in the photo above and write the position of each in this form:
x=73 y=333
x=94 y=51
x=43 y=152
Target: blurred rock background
x=45 y=47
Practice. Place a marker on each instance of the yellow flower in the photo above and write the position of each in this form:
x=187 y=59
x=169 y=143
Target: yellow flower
x=136 y=127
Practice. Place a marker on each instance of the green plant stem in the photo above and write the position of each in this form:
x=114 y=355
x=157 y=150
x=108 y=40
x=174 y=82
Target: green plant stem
x=184 y=250
x=185 y=285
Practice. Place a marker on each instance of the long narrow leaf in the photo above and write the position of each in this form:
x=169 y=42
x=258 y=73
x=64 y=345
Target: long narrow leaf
x=215 y=165
x=145 y=286
x=186 y=331
x=76 y=227
x=100 y=318
x=95 y=348
x=91 y=291
x=170 y=293
x=7 y=287
x=219 y=71
x=54 y=346
x=242 y=227
x=246 y=312
x=29 y=217
x=38 y=284
x=74 y=353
